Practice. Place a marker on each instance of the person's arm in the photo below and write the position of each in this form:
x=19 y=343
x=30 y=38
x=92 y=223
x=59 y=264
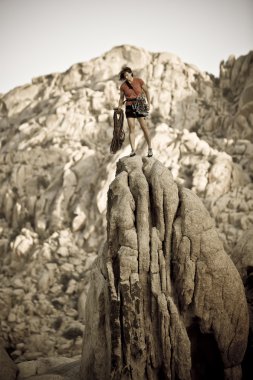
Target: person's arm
x=121 y=99
x=145 y=90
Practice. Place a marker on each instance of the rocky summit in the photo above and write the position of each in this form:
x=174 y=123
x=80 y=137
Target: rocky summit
x=56 y=170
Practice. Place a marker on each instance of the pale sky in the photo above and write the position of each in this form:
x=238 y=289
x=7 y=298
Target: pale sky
x=39 y=37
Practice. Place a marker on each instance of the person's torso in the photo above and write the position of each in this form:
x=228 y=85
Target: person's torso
x=132 y=90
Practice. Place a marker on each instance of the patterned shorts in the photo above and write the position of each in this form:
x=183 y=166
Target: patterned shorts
x=130 y=113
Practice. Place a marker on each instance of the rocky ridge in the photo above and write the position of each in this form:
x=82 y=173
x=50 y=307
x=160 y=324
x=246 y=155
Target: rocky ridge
x=56 y=169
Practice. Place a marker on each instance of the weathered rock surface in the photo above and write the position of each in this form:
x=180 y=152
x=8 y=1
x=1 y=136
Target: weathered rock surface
x=165 y=300
x=42 y=297
x=242 y=256
x=8 y=369
x=55 y=171
x=54 y=368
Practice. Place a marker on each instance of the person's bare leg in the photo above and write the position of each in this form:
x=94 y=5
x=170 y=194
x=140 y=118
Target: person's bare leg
x=131 y=126
x=144 y=127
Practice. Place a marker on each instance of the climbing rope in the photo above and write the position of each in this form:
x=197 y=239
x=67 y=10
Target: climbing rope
x=118 y=131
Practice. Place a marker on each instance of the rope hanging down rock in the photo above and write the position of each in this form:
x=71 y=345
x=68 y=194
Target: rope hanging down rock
x=118 y=131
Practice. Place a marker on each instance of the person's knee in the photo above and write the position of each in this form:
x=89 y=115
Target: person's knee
x=144 y=128
x=142 y=123
x=131 y=127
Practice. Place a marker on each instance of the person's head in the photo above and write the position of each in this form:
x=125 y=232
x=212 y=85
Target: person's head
x=126 y=73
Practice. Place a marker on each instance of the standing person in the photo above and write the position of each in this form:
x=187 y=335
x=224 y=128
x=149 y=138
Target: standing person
x=130 y=89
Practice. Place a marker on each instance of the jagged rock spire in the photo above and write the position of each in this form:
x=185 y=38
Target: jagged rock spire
x=165 y=300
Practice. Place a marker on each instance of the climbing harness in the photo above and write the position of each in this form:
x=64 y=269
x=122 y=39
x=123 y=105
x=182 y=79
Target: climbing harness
x=139 y=106
x=118 y=131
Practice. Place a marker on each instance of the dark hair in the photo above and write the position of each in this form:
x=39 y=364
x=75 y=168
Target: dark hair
x=123 y=71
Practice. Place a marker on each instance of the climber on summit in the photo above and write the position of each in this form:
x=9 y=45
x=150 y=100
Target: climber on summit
x=136 y=106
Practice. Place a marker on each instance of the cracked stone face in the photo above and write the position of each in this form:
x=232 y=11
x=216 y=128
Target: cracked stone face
x=163 y=286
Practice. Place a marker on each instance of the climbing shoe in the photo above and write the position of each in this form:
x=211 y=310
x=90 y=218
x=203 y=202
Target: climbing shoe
x=150 y=153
